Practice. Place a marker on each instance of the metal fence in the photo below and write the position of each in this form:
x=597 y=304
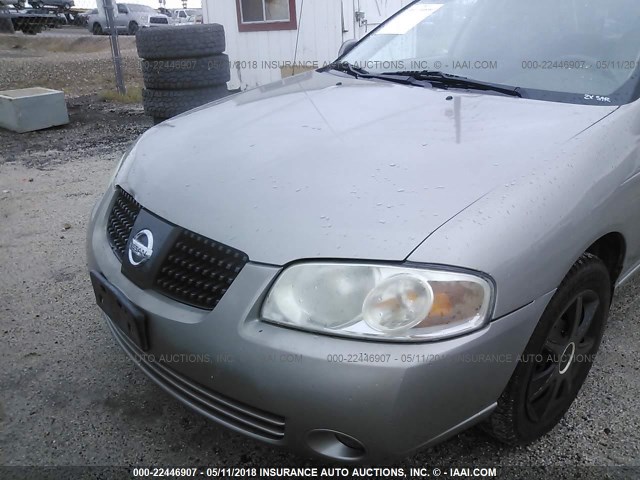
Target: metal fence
x=19 y=17
x=55 y=46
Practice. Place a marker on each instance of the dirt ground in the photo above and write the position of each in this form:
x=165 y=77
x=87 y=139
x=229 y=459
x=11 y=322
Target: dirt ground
x=69 y=60
x=70 y=396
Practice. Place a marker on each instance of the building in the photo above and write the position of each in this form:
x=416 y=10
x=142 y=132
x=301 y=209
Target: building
x=262 y=35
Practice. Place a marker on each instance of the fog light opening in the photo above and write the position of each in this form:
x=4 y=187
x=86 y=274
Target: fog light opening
x=350 y=442
x=336 y=445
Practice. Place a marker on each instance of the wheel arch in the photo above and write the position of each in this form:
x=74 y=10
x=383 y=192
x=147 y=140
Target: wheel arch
x=611 y=249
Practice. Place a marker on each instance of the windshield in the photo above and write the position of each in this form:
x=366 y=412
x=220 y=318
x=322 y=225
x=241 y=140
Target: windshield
x=584 y=51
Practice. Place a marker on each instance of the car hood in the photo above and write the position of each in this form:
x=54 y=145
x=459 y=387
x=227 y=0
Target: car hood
x=323 y=166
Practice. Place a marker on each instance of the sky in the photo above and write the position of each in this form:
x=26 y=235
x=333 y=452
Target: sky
x=151 y=3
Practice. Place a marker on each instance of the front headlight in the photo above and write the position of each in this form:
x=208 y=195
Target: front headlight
x=398 y=303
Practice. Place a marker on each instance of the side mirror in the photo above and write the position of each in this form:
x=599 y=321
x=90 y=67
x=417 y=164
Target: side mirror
x=347 y=47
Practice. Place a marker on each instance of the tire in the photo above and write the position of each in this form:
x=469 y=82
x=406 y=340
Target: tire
x=132 y=28
x=186 y=73
x=97 y=29
x=526 y=410
x=169 y=103
x=181 y=41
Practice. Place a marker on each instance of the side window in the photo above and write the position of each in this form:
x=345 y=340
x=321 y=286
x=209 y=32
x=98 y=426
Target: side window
x=263 y=15
x=182 y=14
x=122 y=9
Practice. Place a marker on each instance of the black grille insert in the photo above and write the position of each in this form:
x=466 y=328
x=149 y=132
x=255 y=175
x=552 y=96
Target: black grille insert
x=198 y=271
x=123 y=215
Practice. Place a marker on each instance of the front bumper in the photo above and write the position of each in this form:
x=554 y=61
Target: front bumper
x=293 y=388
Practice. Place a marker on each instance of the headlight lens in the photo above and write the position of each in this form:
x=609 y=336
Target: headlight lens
x=398 y=303
x=379 y=301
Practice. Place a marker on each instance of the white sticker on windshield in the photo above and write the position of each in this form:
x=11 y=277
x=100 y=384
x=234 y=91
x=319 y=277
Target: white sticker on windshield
x=409 y=19
x=597 y=98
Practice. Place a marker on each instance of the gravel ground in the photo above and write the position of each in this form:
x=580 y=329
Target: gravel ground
x=70 y=396
x=66 y=31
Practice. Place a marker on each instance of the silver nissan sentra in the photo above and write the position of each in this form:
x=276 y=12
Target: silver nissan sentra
x=425 y=235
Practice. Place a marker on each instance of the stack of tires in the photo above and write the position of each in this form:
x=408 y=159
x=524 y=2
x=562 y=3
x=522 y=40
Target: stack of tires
x=183 y=67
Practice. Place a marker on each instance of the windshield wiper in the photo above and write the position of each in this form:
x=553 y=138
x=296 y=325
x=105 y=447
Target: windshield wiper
x=446 y=80
x=349 y=68
x=435 y=78
x=359 y=72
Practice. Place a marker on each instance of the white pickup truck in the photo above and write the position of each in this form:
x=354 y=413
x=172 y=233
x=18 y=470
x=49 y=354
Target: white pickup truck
x=186 y=16
x=129 y=18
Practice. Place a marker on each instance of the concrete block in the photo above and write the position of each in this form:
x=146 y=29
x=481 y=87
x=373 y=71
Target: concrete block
x=30 y=109
x=6 y=25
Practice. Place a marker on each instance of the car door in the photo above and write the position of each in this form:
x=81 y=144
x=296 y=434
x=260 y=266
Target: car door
x=122 y=17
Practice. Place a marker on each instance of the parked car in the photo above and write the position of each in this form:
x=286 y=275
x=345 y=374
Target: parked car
x=82 y=18
x=17 y=4
x=361 y=261
x=188 y=16
x=56 y=20
x=30 y=21
x=129 y=18
x=63 y=4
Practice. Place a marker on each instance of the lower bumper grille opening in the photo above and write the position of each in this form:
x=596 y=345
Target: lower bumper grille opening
x=235 y=415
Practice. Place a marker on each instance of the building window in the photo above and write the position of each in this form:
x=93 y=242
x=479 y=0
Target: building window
x=265 y=15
